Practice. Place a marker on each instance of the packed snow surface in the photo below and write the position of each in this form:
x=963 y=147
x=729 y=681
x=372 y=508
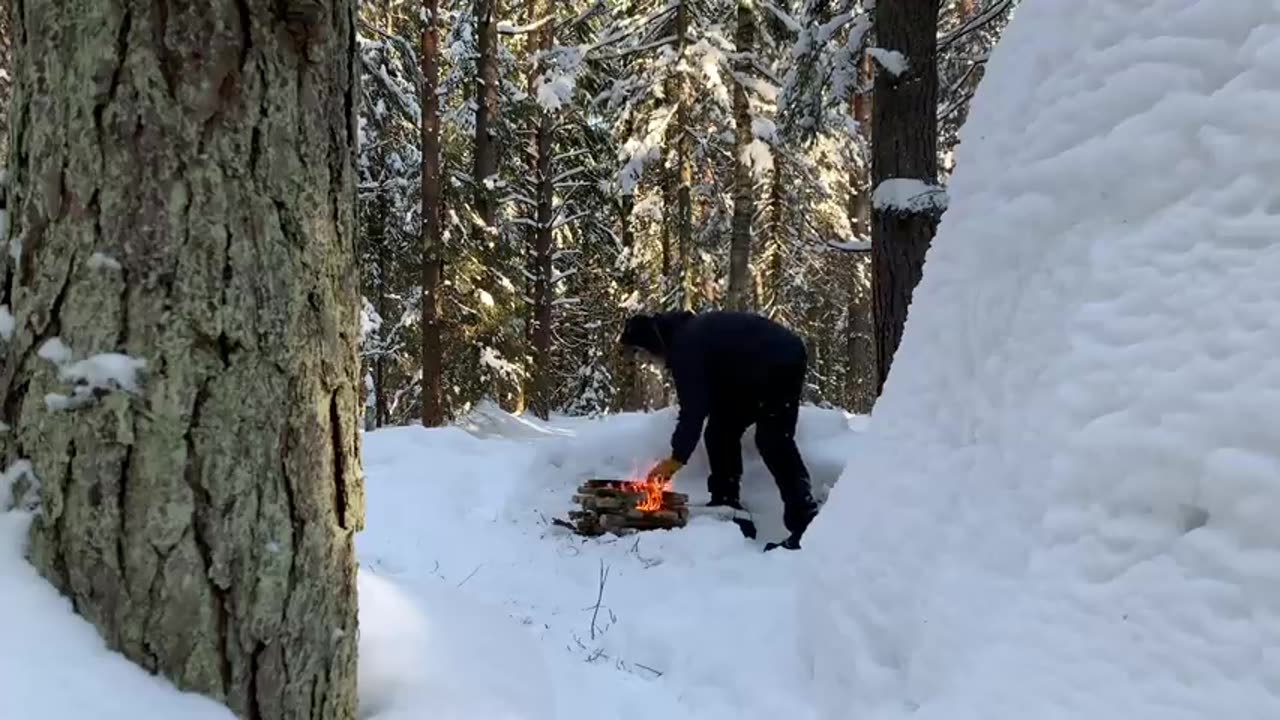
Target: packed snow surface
x=1066 y=503
x=473 y=606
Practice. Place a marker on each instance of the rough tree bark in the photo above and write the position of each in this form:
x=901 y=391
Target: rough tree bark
x=744 y=202
x=540 y=236
x=185 y=194
x=433 y=413
x=904 y=145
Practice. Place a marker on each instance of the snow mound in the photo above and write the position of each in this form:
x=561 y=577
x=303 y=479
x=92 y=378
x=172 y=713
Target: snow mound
x=1065 y=504
x=54 y=665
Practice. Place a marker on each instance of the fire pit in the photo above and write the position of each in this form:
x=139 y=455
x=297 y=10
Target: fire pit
x=623 y=507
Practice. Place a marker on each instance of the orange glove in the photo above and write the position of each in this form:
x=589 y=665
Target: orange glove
x=663 y=471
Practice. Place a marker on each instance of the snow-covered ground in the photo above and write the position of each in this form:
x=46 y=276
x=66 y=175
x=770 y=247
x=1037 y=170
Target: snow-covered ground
x=473 y=606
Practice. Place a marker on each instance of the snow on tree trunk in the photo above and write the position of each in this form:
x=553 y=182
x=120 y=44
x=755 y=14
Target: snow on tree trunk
x=184 y=198
x=432 y=352
x=540 y=234
x=904 y=149
x=744 y=182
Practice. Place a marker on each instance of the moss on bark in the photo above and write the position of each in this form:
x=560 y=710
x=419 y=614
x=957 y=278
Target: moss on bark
x=205 y=526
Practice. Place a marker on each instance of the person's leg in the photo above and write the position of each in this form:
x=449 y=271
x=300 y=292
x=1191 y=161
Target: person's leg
x=776 y=439
x=723 y=440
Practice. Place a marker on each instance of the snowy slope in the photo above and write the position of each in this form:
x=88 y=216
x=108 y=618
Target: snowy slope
x=1066 y=503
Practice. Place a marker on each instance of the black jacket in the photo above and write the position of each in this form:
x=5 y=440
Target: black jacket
x=722 y=364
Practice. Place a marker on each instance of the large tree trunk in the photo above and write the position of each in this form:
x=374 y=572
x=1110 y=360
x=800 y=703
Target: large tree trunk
x=185 y=194
x=904 y=145
x=744 y=203
x=433 y=414
x=540 y=235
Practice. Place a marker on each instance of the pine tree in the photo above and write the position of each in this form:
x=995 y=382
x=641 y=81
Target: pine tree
x=182 y=380
x=906 y=203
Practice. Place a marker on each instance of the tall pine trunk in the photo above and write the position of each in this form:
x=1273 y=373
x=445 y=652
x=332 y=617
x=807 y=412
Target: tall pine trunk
x=184 y=195
x=541 y=234
x=684 y=167
x=510 y=390
x=904 y=145
x=744 y=204
x=433 y=412
x=629 y=392
x=861 y=386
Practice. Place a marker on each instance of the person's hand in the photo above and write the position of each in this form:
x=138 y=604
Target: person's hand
x=663 y=471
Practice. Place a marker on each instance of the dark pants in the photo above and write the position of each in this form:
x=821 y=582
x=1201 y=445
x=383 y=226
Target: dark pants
x=774 y=414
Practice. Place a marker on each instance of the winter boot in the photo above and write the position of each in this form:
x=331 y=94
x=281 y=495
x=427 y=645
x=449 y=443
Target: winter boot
x=791 y=543
x=718 y=500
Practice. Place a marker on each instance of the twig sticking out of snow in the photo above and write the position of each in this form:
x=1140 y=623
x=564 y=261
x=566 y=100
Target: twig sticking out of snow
x=473 y=574
x=595 y=612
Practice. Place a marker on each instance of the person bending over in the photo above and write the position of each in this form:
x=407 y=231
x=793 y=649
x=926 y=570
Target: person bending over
x=733 y=370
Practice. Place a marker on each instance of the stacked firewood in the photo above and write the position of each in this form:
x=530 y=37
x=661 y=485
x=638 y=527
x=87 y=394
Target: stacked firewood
x=613 y=506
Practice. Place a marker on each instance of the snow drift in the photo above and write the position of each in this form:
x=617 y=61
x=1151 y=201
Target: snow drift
x=1066 y=503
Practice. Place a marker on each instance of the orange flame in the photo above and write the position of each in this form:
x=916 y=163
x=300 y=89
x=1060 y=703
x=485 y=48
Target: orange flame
x=652 y=491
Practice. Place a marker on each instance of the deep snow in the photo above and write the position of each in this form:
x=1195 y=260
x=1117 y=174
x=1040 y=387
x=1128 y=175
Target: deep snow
x=474 y=607
x=1066 y=504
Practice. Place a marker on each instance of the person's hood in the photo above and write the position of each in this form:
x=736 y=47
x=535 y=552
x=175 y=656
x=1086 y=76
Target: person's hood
x=654 y=333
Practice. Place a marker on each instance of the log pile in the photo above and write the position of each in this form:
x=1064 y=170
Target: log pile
x=609 y=506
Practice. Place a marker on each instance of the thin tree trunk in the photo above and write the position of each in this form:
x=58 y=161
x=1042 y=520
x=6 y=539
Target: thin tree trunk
x=861 y=384
x=486 y=95
x=510 y=390
x=542 y=239
x=684 y=167
x=860 y=176
x=744 y=203
x=185 y=195
x=629 y=388
x=433 y=413
x=904 y=133
x=777 y=244
x=380 y=361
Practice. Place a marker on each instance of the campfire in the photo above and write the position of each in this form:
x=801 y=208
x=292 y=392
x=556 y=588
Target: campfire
x=623 y=507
